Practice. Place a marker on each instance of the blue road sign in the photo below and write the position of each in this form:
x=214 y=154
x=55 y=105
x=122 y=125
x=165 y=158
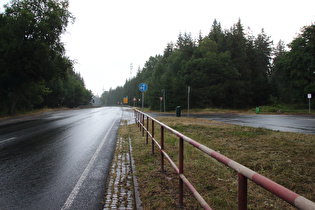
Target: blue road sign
x=143 y=87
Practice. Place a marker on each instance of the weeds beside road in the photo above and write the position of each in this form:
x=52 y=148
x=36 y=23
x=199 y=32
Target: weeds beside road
x=286 y=158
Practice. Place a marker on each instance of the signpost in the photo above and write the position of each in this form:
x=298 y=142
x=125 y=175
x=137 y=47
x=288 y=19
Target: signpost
x=126 y=100
x=143 y=87
x=134 y=101
x=161 y=99
x=309 y=96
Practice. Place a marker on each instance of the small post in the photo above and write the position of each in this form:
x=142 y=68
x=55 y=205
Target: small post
x=309 y=96
x=181 y=171
x=162 y=148
x=242 y=192
x=160 y=105
x=142 y=100
x=152 y=137
x=163 y=91
x=188 y=100
x=147 y=130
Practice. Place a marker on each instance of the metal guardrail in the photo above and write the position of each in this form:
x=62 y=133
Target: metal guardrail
x=244 y=173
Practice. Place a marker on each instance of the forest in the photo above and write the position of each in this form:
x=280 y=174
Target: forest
x=228 y=68
x=34 y=70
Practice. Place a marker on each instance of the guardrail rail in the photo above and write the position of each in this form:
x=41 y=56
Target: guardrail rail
x=244 y=173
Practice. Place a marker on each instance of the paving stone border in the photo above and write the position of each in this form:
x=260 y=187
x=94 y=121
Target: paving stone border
x=122 y=186
x=119 y=193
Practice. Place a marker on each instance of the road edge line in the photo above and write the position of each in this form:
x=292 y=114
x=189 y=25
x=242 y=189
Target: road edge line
x=86 y=171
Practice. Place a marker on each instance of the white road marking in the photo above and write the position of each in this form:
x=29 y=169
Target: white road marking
x=77 y=187
x=9 y=139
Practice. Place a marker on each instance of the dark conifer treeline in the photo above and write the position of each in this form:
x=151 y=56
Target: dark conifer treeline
x=225 y=69
x=34 y=71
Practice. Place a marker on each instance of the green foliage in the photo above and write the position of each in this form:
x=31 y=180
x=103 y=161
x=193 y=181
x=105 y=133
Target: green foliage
x=294 y=71
x=68 y=92
x=34 y=70
x=224 y=69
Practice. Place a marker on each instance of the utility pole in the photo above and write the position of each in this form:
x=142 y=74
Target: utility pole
x=188 y=100
x=163 y=91
x=131 y=68
x=309 y=96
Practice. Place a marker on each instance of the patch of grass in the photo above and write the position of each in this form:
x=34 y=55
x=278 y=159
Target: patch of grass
x=265 y=109
x=216 y=110
x=29 y=112
x=282 y=109
x=286 y=158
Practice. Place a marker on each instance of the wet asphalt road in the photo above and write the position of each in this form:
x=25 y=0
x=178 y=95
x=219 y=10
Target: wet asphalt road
x=57 y=160
x=287 y=123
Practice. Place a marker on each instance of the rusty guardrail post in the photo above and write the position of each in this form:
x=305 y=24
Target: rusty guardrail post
x=152 y=137
x=162 y=148
x=143 y=124
x=137 y=118
x=181 y=171
x=242 y=192
x=140 y=118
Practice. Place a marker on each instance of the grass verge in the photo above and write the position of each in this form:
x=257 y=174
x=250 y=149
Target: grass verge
x=30 y=112
x=286 y=158
x=266 y=109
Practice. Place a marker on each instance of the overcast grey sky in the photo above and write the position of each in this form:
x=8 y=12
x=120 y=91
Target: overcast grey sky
x=110 y=35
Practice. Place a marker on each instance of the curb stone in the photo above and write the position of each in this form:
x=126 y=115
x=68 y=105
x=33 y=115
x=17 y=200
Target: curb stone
x=135 y=181
x=122 y=191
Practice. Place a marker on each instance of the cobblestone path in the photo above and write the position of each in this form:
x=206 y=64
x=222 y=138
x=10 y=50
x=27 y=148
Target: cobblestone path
x=119 y=193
